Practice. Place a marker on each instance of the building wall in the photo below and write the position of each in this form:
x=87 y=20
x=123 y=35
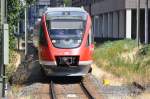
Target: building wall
x=105 y=6
x=76 y=3
x=122 y=23
x=115 y=25
x=128 y=23
x=117 y=18
x=43 y=2
x=133 y=3
x=110 y=25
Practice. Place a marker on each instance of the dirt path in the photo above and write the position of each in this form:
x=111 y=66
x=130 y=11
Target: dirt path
x=108 y=77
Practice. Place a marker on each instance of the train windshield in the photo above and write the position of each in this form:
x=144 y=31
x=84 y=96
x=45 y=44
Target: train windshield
x=66 y=33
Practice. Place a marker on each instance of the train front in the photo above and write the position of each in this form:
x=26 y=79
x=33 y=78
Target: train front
x=66 y=45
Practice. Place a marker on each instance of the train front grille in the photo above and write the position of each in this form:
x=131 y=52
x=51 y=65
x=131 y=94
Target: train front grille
x=67 y=60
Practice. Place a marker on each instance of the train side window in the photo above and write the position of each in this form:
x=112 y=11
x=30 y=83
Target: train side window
x=87 y=42
x=92 y=35
x=42 y=39
x=90 y=39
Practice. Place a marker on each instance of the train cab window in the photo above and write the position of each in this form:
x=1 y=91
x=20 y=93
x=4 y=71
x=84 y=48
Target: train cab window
x=66 y=33
x=42 y=39
x=66 y=29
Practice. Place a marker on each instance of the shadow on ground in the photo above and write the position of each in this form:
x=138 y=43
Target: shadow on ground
x=30 y=71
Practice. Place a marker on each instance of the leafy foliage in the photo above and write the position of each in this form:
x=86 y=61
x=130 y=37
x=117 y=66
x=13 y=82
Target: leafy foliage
x=13 y=13
x=67 y=2
x=30 y=1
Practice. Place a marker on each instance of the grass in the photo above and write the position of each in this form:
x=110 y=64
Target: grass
x=13 y=58
x=124 y=59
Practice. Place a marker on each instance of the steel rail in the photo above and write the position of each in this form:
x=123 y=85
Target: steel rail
x=52 y=90
x=88 y=94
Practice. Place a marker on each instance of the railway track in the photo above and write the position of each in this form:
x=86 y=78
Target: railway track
x=69 y=91
x=85 y=90
x=52 y=90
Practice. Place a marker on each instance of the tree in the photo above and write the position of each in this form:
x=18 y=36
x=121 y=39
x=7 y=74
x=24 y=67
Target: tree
x=67 y=2
x=13 y=8
x=30 y=1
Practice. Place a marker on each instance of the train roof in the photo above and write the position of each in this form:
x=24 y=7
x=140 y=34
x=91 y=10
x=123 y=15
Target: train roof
x=78 y=9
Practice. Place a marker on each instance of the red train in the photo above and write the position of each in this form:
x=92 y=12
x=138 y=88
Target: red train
x=65 y=41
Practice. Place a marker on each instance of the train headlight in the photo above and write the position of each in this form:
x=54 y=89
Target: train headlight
x=79 y=41
x=53 y=41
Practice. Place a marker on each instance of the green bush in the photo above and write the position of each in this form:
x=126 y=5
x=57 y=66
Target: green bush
x=10 y=69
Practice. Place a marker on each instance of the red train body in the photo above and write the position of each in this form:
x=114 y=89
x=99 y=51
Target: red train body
x=65 y=42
